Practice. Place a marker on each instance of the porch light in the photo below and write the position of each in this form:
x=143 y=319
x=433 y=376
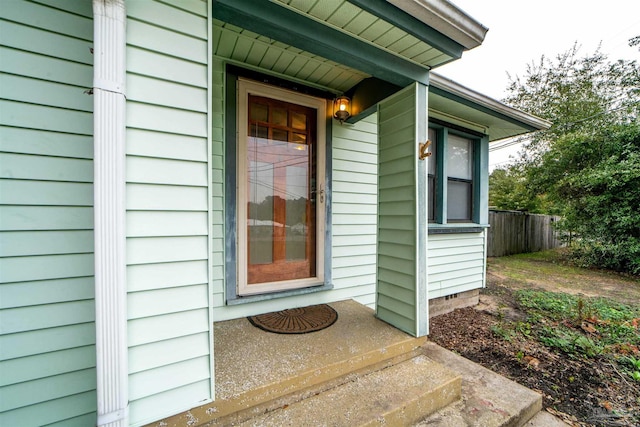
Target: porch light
x=342 y=108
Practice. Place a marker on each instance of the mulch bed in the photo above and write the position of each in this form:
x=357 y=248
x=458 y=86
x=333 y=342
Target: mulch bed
x=583 y=392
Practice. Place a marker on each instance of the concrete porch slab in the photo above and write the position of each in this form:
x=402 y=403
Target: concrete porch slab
x=359 y=366
x=248 y=359
x=258 y=371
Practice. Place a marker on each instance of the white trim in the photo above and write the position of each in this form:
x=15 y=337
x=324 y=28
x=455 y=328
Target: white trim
x=109 y=74
x=485 y=235
x=447 y=18
x=212 y=380
x=246 y=87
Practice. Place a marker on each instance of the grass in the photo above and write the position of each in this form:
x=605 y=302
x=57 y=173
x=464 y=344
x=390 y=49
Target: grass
x=574 y=331
x=551 y=270
x=579 y=327
x=561 y=316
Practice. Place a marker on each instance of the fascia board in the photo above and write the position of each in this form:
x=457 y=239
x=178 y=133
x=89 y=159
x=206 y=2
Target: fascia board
x=446 y=18
x=485 y=102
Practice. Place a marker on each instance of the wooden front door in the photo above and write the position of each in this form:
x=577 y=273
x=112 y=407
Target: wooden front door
x=281 y=191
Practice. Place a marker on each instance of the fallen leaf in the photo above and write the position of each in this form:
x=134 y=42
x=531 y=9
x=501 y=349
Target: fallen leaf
x=588 y=328
x=606 y=405
x=532 y=361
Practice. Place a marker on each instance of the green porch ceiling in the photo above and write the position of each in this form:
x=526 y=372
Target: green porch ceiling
x=382 y=41
x=249 y=49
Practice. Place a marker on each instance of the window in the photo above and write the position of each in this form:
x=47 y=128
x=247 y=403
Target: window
x=432 y=165
x=280 y=195
x=459 y=179
x=456 y=181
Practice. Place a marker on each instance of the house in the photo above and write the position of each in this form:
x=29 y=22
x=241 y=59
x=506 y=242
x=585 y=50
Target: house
x=168 y=164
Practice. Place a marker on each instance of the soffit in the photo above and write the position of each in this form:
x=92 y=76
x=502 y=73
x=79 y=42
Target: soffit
x=460 y=105
x=248 y=48
x=467 y=117
x=362 y=25
x=496 y=125
x=358 y=38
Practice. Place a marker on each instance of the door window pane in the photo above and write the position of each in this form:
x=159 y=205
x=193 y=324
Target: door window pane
x=300 y=138
x=259 y=131
x=297 y=197
x=260 y=209
x=259 y=113
x=298 y=120
x=279 y=116
x=280 y=135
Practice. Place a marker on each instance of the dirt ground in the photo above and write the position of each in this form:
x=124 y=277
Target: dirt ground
x=581 y=391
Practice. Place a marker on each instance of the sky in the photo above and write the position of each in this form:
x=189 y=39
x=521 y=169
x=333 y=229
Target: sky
x=520 y=32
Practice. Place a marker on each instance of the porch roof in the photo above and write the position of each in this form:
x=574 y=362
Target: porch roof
x=336 y=45
x=457 y=104
x=395 y=41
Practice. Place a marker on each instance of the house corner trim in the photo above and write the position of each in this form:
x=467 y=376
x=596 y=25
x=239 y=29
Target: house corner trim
x=109 y=75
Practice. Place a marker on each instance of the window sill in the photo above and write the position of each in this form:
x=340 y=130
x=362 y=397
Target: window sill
x=456 y=228
x=274 y=295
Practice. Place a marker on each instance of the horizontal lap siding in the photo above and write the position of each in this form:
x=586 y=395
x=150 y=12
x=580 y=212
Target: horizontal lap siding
x=167 y=208
x=354 y=207
x=456 y=263
x=397 y=213
x=47 y=342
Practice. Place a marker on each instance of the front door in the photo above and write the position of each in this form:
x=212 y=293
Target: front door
x=282 y=191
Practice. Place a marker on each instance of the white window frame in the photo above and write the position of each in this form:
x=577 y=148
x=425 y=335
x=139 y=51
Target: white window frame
x=246 y=88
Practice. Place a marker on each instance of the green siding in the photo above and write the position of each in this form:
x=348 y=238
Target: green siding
x=355 y=160
x=167 y=208
x=456 y=263
x=47 y=351
x=401 y=300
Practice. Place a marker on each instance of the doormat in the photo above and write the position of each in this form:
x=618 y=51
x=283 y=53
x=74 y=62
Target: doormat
x=296 y=320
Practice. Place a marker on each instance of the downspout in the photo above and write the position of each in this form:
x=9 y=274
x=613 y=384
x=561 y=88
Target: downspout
x=109 y=212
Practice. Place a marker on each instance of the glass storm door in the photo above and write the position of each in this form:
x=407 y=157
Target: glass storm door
x=281 y=191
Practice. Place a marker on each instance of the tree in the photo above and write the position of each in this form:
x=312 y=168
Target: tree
x=508 y=190
x=587 y=165
x=598 y=182
x=576 y=94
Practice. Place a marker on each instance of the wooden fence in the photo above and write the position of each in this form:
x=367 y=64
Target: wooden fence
x=513 y=232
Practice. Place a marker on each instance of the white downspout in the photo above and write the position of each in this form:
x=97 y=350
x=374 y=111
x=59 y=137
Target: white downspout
x=109 y=73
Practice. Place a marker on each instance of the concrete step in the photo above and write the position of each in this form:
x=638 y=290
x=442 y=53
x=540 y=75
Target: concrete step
x=296 y=388
x=488 y=399
x=258 y=372
x=399 y=395
x=545 y=419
